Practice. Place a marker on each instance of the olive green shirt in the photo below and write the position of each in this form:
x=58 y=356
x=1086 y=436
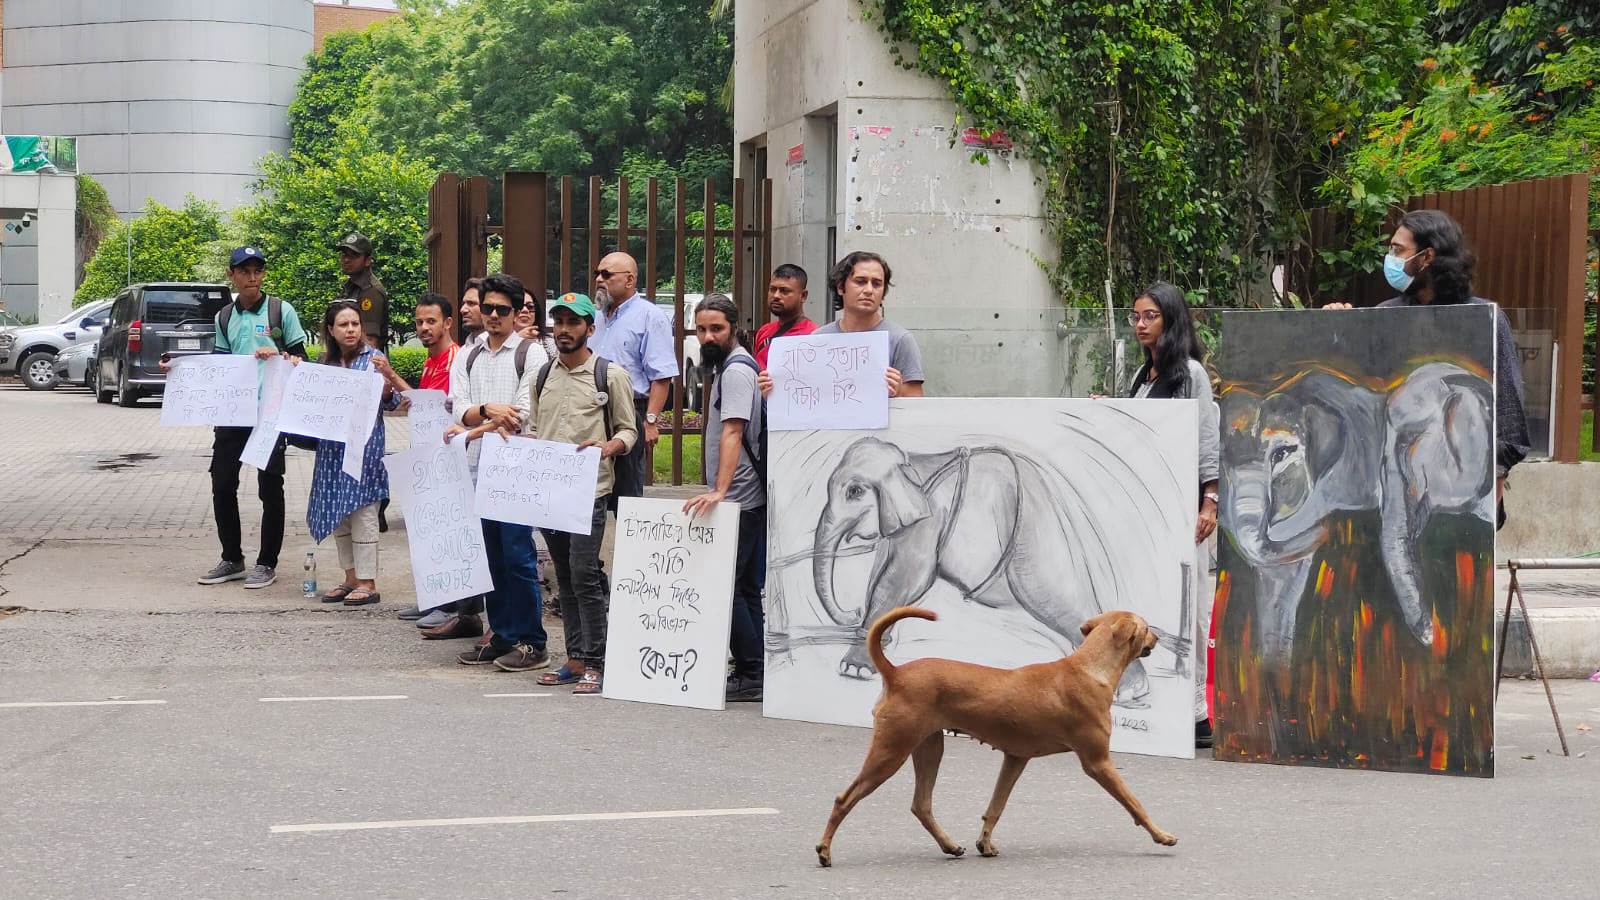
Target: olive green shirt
x=570 y=411
x=365 y=288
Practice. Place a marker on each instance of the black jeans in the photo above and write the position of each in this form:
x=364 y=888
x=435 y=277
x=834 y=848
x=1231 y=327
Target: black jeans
x=747 y=638
x=226 y=446
x=585 y=592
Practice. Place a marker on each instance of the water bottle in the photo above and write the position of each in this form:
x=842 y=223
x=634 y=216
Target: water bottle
x=308 y=585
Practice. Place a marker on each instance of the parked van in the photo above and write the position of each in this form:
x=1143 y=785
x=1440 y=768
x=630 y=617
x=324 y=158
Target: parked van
x=148 y=320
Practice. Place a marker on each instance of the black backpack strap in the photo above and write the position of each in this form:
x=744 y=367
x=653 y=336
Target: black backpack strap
x=472 y=357
x=756 y=460
x=224 y=316
x=522 y=358
x=602 y=375
x=544 y=375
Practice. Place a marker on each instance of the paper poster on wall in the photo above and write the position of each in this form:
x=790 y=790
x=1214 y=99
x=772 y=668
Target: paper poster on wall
x=829 y=381
x=211 y=390
x=328 y=402
x=671 y=603
x=545 y=484
x=263 y=440
x=445 y=536
x=427 y=417
x=1015 y=521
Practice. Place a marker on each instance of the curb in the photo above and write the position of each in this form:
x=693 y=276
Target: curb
x=1569 y=641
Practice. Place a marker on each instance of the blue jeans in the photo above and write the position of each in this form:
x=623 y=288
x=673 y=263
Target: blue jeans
x=747 y=638
x=514 y=604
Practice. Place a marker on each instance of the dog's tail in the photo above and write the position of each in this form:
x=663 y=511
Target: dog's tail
x=875 y=633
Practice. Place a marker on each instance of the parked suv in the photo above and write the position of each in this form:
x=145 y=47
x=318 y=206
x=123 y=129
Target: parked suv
x=148 y=320
x=31 y=352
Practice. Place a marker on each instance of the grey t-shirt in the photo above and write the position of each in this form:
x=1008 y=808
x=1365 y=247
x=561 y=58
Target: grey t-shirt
x=736 y=396
x=904 y=354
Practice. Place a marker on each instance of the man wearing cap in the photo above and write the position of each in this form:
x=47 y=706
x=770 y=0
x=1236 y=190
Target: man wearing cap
x=581 y=398
x=362 y=286
x=260 y=326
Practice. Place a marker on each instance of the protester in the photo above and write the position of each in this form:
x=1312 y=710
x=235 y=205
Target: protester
x=786 y=299
x=340 y=505
x=862 y=279
x=1173 y=369
x=531 y=324
x=735 y=471
x=1430 y=263
x=580 y=398
x=637 y=336
x=261 y=326
x=362 y=285
x=471 y=321
x=490 y=385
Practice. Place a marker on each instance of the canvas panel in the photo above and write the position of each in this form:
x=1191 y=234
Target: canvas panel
x=1014 y=520
x=1354 y=606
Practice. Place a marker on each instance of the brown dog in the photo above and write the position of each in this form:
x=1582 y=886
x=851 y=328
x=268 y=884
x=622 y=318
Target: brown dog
x=1036 y=710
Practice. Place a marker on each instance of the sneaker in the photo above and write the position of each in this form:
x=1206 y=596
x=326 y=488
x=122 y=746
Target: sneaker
x=481 y=655
x=523 y=658
x=1202 y=734
x=434 y=618
x=410 y=614
x=224 y=571
x=743 y=689
x=260 y=577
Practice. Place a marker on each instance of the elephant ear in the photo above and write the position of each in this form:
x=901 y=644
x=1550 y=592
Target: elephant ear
x=901 y=501
x=1324 y=438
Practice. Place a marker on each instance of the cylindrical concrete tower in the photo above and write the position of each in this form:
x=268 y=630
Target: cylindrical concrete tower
x=167 y=97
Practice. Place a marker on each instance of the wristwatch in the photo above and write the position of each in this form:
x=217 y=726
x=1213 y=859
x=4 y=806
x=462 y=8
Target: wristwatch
x=483 y=412
x=651 y=418
x=1212 y=496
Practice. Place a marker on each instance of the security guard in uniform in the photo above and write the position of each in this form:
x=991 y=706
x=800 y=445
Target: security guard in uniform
x=363 y=286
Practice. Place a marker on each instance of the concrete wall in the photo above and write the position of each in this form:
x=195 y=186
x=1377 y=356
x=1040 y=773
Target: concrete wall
x=1552 y=510
x=38 y=263
x=856 y=143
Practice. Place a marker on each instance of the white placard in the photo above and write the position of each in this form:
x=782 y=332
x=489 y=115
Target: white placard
x=434 y=489
x=212 y=390
x=324 y=401
x=264 y=438
x=527 y=481
x=829 y=382
x=671 y=603
x=363 y=419
x=427 y=417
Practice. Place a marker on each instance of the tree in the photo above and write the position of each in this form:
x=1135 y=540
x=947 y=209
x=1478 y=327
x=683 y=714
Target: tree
x=304 y=205
x=167 y=245
x=331 y=87
x=95 y=218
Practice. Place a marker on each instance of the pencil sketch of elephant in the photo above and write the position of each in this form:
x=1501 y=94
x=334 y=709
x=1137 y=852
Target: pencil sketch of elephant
x=1002 y=528
x=1322 y=443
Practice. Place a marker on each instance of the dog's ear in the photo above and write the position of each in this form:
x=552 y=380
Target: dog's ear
x=1126 y=631
x=1092 y=624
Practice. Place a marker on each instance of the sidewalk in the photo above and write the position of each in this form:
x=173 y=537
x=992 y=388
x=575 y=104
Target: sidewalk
x=1564 y=610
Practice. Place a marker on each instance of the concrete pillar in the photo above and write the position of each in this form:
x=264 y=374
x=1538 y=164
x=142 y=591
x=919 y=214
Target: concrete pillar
x=54 y=227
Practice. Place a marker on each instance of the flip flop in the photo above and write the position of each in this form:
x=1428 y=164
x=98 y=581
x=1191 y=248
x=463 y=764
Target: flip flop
x=560 y=676
x=371 y=597
x=589 y=683
x=337 y=594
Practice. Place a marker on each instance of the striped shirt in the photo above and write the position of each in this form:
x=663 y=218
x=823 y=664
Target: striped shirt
x=493 y=379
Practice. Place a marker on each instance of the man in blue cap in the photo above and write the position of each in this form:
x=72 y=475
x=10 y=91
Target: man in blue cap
x=260 y=326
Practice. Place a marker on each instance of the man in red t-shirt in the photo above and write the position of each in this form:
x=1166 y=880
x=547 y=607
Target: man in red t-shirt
x=435 y=325
x=786 y=298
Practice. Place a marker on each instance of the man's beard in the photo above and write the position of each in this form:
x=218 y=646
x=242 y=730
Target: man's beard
x=567 y=344
x=602 y=298
x=714 y=354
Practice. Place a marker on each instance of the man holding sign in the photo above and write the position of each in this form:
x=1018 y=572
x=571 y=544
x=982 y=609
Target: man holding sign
x=260 y=326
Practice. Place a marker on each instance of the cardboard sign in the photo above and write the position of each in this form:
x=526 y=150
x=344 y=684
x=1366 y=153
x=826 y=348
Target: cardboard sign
x=434 y=489
x=211 y=390
x=264 y=437
x=527 y=481
x=427 y=417
x=829 y=382
x=330 y=402
x=671 y=603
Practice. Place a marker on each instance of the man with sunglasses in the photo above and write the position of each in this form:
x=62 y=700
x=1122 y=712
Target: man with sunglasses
x=490 y=384
x=637 y=336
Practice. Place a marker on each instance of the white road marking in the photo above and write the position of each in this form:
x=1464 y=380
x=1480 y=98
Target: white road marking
x=310 y=699
x=524 y=820
x=542 y=694
x=84 y=703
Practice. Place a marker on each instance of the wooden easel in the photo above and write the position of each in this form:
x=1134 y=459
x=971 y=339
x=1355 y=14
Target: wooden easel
x=1515 y=590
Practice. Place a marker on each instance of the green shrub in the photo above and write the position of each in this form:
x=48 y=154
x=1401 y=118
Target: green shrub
x=407 y=363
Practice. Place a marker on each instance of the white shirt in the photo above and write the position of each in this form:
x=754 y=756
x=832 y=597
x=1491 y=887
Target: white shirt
x=493 y=379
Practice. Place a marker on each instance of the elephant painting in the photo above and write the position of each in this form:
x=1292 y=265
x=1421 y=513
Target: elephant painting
x=1091 y=511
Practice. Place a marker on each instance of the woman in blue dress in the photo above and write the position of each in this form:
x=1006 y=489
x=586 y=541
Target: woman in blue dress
x=341 y=505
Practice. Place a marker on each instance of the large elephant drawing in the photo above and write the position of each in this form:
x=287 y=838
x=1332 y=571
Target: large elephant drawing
x=995 y=524
x=1322 y=443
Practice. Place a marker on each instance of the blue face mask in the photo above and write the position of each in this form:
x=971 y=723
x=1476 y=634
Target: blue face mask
x=1394 y=271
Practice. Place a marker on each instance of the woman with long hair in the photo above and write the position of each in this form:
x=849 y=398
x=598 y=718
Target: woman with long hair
x=340 y=505
x=1174 y=369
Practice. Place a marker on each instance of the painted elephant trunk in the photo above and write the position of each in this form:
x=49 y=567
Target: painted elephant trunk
x=825 y=552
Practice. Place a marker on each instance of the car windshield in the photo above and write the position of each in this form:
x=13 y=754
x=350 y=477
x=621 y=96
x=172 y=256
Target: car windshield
x=170 y=307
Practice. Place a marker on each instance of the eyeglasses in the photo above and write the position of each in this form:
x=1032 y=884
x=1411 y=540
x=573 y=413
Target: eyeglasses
x=1149 y=318
x=495 y=309
x=607 y=274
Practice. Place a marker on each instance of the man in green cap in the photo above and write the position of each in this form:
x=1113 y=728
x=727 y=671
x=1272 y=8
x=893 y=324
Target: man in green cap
x=362 y=286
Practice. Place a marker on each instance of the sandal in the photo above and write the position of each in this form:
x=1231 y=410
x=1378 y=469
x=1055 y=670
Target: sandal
x=589 y=683
x=337 y=594
x=366 y=597
x=560 y=676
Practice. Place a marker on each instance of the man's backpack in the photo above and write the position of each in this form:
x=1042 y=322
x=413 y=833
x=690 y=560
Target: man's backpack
x=521 y=360
x=759 y=461
x=274 y=321
x=602 y=368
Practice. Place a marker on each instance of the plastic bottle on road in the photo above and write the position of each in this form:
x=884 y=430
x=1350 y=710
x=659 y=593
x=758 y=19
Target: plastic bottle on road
x=308 y=585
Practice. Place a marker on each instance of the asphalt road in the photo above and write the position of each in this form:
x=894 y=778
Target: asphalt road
x=208 y=791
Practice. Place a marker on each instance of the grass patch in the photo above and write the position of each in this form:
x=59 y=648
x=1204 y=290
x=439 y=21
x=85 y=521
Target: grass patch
x=691 y=459
x=1586 y=438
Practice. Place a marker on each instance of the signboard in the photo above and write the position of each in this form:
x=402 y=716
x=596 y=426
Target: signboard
x=427 y=417
x=527 y=481
x=829 y=381
x=211 y=390
x=330 y=403
x=264 y=437
x=433 y=486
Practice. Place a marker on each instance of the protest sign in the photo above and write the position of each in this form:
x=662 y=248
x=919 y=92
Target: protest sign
x=671 y=603
x=214 y=389
x=434 y=489
x=363 y=419
x=527 y=481
x=829 y=381
x=264 y=438
x=427 y=417
x=329 y=402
